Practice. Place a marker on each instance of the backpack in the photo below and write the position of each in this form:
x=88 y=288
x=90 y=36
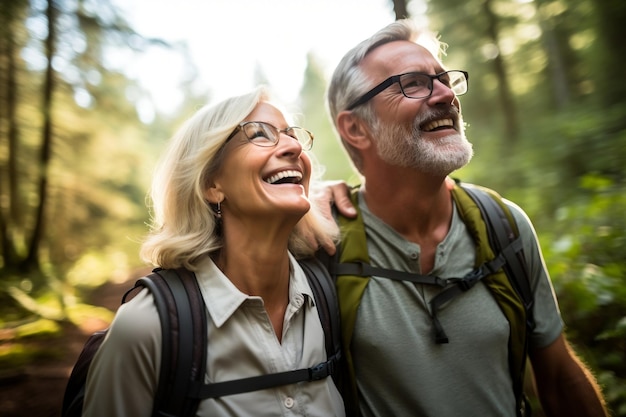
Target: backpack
x=501 y=266
x=182 y=313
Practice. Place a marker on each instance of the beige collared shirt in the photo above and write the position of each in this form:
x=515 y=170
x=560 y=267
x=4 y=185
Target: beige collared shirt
x=123 y=376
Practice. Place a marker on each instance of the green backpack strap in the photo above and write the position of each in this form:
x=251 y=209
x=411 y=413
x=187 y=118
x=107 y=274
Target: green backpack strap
x=350 y=289
x=487 y=217
x=503 y=232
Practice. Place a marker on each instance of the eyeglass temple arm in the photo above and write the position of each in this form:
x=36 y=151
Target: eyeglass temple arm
x=374 y=91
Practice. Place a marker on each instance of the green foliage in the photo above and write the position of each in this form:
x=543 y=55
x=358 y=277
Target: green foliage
x=15 y=356
x=20 y=352
x=42 y=327
x=94 y=188
x=98 y=267
x=585 y=257
x=326 y=147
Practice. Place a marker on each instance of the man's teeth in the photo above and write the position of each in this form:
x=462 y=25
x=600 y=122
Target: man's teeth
x=284 y=174
x=438 y=123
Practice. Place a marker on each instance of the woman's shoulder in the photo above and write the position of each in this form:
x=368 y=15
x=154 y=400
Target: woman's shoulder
x=136 y=321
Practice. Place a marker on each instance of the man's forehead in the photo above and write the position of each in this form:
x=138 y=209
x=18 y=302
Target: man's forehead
x=398 y=57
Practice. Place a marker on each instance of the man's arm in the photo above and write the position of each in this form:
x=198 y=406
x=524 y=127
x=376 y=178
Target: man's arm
x=564 y=384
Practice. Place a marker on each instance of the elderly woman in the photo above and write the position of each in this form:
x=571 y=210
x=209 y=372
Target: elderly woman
x=230 y=202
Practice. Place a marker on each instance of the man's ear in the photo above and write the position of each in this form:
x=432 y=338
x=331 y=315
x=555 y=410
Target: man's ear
x=353 y=129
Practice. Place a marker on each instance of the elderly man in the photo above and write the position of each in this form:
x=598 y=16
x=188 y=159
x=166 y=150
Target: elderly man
x=396 y=109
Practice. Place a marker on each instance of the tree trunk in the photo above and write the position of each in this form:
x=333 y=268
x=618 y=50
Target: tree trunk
x=506 y=98
x=558 y=74
x=400 y=9
x=10 y=215
x=610 y=71
x=32 y=259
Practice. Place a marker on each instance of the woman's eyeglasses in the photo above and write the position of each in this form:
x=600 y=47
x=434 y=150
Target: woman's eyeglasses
x=266 y=135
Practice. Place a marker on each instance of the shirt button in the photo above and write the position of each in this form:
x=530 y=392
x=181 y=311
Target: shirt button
x=414 y=255
x=289 y=402
x=299 y=301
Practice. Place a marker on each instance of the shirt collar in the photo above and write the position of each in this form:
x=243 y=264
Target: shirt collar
x=223 y=298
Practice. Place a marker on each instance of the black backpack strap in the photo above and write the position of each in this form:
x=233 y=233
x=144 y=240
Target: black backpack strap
x=325 y=295
x=504 y=239
x=342 y=375
x=255 y=383
x=463 y=285
x=182 y=313
x=363 y=269
x=75 y=390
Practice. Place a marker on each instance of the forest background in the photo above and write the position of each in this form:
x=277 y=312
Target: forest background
x=546 y=113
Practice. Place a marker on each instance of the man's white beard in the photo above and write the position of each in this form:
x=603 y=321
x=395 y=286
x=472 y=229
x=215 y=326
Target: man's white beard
x=439 y=157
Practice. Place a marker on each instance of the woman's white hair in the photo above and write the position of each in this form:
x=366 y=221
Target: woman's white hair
x=184 y=225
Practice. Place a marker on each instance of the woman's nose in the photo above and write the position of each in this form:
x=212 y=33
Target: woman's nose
x=288 y=145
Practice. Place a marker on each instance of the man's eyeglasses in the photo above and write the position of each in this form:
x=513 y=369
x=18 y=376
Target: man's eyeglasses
x=418 y=85
x=266 y=135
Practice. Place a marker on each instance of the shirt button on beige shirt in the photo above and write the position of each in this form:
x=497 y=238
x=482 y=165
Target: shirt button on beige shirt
x=289 y=402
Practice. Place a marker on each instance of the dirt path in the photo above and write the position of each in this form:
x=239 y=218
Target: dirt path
x=38 y=390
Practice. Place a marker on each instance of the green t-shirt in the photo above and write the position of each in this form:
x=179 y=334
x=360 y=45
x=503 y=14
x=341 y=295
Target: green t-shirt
x=400 y=369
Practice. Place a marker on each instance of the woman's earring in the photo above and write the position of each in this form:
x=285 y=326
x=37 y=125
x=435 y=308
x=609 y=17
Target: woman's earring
x=217 y=211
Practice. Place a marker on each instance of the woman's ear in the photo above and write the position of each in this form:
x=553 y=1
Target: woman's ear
x=214 y=194
x=353 y=129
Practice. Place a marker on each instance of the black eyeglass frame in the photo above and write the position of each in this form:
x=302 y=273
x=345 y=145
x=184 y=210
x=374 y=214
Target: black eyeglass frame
x=241 y=127
x=396 y=79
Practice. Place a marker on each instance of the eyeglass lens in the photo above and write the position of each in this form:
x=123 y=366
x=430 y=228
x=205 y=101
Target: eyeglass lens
x=416 y=85
x=264 y=134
